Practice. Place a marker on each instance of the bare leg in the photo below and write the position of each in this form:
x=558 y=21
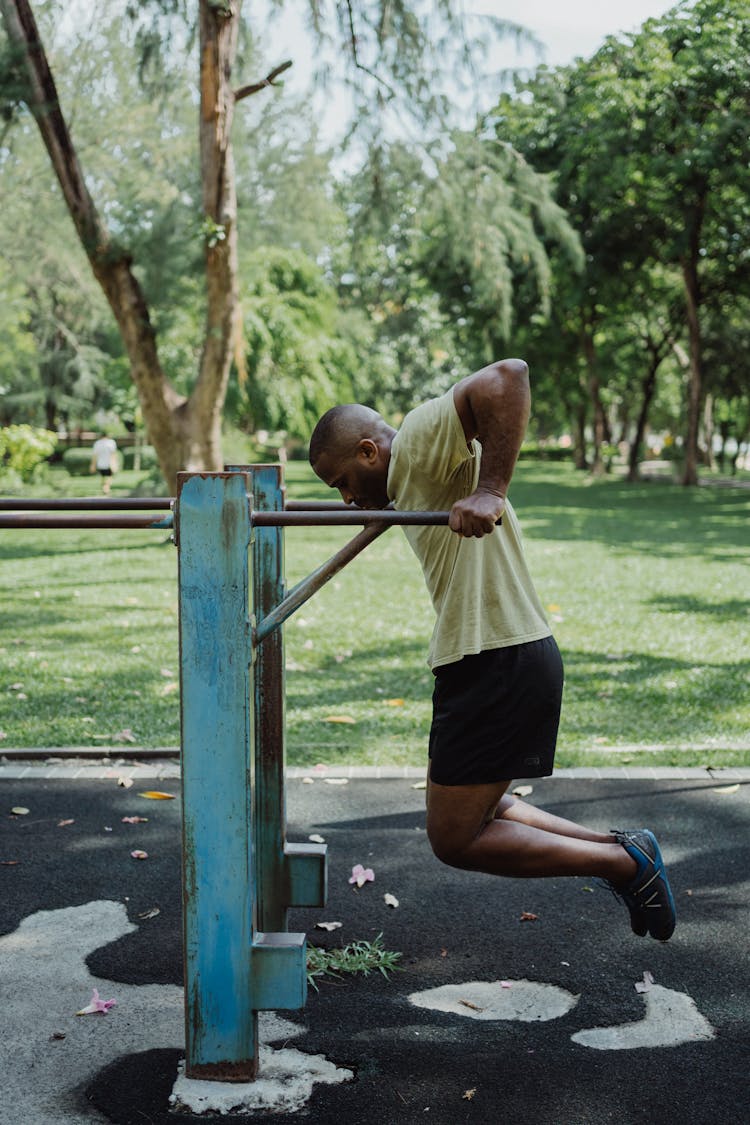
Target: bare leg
x=464 y=832
x=511 y=808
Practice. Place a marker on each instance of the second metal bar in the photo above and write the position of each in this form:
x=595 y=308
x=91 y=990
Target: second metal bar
x=310 y=585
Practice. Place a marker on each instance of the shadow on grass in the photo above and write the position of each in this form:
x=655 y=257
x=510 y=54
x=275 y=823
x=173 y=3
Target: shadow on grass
x=654 y=518
x=47 y=547
x=731 y=608
x=634 y=697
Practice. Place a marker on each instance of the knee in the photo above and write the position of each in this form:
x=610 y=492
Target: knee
x=448 y=848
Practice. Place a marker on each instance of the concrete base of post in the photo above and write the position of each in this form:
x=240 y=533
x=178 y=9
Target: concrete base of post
x=285 y=1081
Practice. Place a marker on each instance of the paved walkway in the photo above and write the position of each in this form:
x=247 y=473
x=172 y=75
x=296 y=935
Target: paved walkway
x=491 y=1018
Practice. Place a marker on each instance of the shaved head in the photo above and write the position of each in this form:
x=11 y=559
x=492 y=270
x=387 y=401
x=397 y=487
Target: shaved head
x=340 y=430
x=350 y=449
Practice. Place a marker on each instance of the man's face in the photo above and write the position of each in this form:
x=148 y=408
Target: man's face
x=360 y=478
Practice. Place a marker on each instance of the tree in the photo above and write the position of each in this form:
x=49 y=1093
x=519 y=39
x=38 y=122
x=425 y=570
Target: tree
x=650 y=141
x=382 y=39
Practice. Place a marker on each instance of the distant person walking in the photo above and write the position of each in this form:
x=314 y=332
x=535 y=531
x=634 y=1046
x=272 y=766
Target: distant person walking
x=104 y=460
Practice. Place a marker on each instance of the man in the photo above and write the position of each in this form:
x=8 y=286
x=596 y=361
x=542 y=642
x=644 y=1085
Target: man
x=498 y=673
x=104 y=460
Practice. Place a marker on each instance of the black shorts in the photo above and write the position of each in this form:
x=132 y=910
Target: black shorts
x=495 y=715
x=104 y=472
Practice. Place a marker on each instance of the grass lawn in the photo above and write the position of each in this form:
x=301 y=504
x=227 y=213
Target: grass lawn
x=647 y=588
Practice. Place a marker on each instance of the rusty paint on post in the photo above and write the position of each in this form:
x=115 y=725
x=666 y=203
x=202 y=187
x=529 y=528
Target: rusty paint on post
x=286 y=876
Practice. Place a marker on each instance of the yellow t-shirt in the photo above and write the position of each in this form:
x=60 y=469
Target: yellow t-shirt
x=481 y=589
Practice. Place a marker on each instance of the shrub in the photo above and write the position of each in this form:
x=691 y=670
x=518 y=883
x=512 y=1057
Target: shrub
x=23 y=449
x=77 y=461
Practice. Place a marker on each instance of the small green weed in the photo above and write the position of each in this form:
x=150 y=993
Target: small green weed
x=357 y=957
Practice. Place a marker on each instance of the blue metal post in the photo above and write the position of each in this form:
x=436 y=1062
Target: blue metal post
x=288 y=874
x=231 y=972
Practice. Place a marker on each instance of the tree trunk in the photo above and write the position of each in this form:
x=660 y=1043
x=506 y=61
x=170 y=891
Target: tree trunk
x=579 y=430
x=692 y=303
x=708 y=432
x=648 y=386
x=186 y=433
x=594 y=387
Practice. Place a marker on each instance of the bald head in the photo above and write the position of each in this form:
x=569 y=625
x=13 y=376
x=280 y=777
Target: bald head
x=340 y=430
x=350 y=450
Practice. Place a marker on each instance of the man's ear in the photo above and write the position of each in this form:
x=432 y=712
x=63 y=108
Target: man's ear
x=367 y=450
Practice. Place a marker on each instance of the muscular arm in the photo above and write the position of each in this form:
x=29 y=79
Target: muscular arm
x=493 y=405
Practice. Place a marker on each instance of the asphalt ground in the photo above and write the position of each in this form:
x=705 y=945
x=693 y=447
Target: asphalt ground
x=408 y=1063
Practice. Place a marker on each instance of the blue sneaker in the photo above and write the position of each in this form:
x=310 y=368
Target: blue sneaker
x=648 y=897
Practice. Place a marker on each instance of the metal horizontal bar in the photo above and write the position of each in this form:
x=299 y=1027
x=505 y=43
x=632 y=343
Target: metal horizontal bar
x=317 y=506
x=348 y=517
x=87 y=504
x=46 y=519
x=136 y=504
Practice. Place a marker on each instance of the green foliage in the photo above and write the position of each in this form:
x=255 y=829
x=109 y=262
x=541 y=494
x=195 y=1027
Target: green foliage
x=24 y=448
x=77 y=461
x=297 y=365
x=356 y=957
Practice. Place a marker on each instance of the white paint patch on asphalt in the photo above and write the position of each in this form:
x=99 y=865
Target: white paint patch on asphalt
x=45 y=981
x=525 y=1000
x=284 y=1084
x=671 y=1018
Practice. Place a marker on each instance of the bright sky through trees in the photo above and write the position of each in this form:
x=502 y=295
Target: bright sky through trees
x=566 y=31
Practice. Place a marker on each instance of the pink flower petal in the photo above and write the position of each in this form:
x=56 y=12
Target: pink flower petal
x=361 y=875
x=96 y=1005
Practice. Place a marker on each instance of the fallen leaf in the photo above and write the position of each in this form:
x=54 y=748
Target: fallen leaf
x=150 y=913
x=2 y=735
x=361 y=875
x=393 y=702
x=138 y=854
x=469 y=1094
x=307 y=781
x=19 y=810
x=157 y=795
x=124 y=735
x=339 y=719
x=8 y=863
x=135 y=820
x=443 y=952
x=646 y=984
x=390 y=900
x=587 y=888
x=328 y=926
x=64 y=823
x=316 y=839
x=57 y=1035
x=553 y=608
x=125 y=782
x=506 y=983
x=167 y=673
x=522 y=790
x=170 y=688
x=336 y=780
x=527 y=916
x=470 y=1004
x=419 y=785
x=727 y=788
x=96 y=1005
